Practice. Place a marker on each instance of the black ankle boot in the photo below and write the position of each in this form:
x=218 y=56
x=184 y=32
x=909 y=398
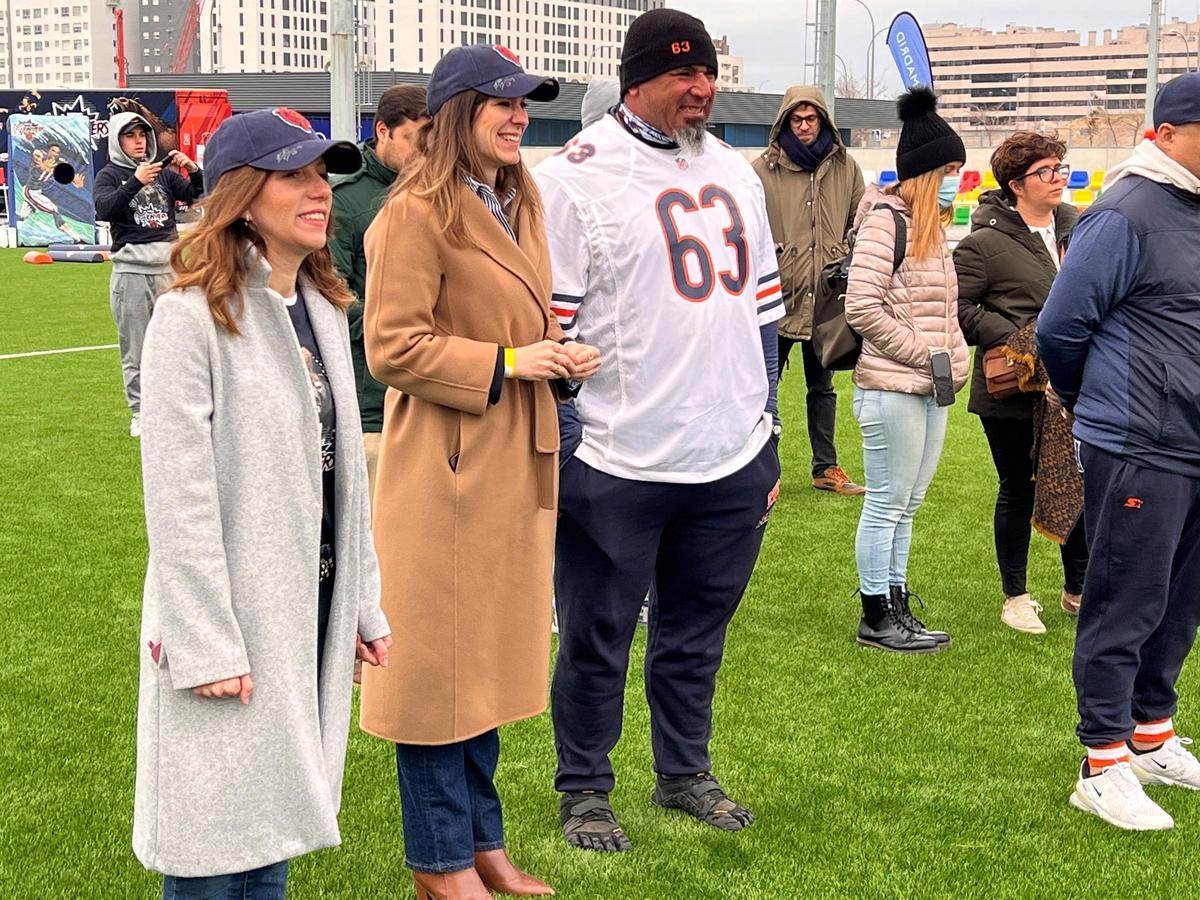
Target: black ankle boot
x=899 y=594
x=882 y=627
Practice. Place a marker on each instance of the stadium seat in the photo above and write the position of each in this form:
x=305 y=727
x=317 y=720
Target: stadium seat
x=1079 y=180
x=970 y=180
x=886 y=177
x=1097 y=179
x=962 y=214
x=989 y=182
x=1083 y=198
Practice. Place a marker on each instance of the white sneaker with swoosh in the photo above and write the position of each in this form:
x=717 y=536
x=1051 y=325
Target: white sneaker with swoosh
x=1172 y=763
x=1117 y=797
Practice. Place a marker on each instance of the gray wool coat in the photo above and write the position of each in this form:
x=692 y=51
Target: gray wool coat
x=232 y=479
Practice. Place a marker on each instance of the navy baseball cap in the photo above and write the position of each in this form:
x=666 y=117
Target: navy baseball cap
x=277 y=140
x=1178 y=101
x=488 y=68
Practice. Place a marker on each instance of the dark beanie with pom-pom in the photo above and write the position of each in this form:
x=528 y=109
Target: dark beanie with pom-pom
x=926 y=141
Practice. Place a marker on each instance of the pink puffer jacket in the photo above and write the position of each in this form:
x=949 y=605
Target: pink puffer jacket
x=901 y=317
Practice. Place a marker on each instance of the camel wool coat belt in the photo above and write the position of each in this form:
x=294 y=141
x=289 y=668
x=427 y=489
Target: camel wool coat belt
x=232 y=475
x=466 y=491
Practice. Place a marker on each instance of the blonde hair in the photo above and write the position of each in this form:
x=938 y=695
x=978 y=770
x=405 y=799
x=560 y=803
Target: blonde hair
x=920 y=194
x=446 y=151
x=212 y=257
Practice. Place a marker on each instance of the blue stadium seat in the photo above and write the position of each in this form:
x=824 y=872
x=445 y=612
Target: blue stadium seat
x=886 y=177
x=1079 y=180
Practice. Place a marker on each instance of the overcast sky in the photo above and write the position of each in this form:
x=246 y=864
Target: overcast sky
x=770 y=33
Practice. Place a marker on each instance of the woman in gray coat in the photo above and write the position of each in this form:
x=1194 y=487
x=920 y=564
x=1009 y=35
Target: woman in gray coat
x=262 y=583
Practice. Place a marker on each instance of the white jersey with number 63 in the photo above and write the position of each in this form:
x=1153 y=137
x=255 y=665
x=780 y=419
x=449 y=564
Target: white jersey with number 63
x=664 y=262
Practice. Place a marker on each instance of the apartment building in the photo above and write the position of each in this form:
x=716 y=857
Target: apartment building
x=730 y=69
x=278 y=35
x=63 y=44
x=1030 y=77
x=157 y=32
x=577 y=40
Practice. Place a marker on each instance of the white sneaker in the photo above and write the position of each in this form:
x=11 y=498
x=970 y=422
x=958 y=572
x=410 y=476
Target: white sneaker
x=1172 y=763
x=135 y=426
x=1117 y=797
x=1021 y=614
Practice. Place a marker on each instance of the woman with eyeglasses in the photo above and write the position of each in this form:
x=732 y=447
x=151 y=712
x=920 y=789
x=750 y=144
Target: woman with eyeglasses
x=1005 y=268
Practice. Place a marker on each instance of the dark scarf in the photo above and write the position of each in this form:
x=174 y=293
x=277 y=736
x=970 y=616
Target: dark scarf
x=807 y=158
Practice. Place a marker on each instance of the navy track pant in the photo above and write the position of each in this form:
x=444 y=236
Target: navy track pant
x=698 y=543
x=1141 y=594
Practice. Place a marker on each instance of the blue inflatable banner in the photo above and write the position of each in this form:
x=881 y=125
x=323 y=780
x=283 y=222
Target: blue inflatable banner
x=907 y=44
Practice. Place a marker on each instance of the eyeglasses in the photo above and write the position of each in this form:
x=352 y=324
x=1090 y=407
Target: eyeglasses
x=1048 y=173
x=810 y=121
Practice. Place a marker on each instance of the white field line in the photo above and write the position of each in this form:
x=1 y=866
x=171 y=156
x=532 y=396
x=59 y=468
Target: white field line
x=53 y=352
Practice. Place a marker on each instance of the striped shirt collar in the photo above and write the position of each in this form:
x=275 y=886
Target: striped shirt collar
x=495 y=204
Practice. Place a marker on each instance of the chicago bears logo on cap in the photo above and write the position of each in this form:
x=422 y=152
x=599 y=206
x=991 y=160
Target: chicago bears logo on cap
x=292 y=118
x=507 y=54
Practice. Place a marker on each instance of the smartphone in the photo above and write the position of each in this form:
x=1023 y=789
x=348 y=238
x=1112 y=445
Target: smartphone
x=943 y=378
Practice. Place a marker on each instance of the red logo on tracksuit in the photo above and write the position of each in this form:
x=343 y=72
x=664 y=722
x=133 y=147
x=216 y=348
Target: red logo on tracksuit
x=1133 y=503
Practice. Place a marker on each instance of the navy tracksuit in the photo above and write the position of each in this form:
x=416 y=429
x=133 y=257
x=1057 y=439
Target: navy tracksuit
x=1141 y=594
x=698 y=543
x=1120 y=338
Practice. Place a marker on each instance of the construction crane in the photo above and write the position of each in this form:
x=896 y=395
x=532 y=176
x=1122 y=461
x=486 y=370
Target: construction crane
x=187 y=37
x=122 y=62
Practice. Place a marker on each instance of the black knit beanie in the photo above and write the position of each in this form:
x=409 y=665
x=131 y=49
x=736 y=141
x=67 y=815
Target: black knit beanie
x=661 y=40
x=926 y=141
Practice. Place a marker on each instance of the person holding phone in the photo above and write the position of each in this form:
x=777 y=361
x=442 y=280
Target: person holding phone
x=136 y=195
x=914 y=359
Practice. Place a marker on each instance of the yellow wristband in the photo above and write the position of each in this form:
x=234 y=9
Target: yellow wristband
x=510 y=362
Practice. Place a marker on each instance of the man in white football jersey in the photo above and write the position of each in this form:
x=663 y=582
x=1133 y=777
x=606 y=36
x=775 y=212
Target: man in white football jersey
x=663 y=258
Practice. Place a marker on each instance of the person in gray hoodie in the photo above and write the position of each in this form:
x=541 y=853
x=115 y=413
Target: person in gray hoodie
x=598 y=99
x=136 y=194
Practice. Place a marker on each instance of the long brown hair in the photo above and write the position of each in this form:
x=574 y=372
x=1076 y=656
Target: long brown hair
x=445 y=152
x=920 y=193
x=212 y=256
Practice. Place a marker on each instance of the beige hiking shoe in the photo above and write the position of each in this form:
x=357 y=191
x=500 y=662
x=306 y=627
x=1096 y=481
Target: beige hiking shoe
x=836 y=481
x=1070 y=603
x=1021 y=614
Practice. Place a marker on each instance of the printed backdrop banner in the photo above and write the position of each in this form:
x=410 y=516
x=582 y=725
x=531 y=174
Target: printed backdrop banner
x=907 y=44
x=50 y=209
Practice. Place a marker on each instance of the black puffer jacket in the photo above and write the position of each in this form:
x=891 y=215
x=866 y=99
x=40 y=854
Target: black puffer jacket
x=1004 y=276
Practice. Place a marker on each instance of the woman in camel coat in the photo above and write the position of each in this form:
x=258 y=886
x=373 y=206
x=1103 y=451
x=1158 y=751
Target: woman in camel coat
x=458 y=322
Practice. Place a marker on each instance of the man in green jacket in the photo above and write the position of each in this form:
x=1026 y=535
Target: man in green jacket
x=357 y=199
x=813 y=188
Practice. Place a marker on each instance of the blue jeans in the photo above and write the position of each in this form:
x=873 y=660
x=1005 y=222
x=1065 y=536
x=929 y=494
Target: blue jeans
x=450 y=806
x=267 y=883
x=902 y=442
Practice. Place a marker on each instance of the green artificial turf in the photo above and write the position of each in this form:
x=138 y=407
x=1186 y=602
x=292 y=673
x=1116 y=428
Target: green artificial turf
x=871 y=775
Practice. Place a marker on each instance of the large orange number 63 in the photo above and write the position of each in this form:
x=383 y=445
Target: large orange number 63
x=681 y=246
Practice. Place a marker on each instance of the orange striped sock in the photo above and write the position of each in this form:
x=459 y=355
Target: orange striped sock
x=1155 y=732
x=1100 y=758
